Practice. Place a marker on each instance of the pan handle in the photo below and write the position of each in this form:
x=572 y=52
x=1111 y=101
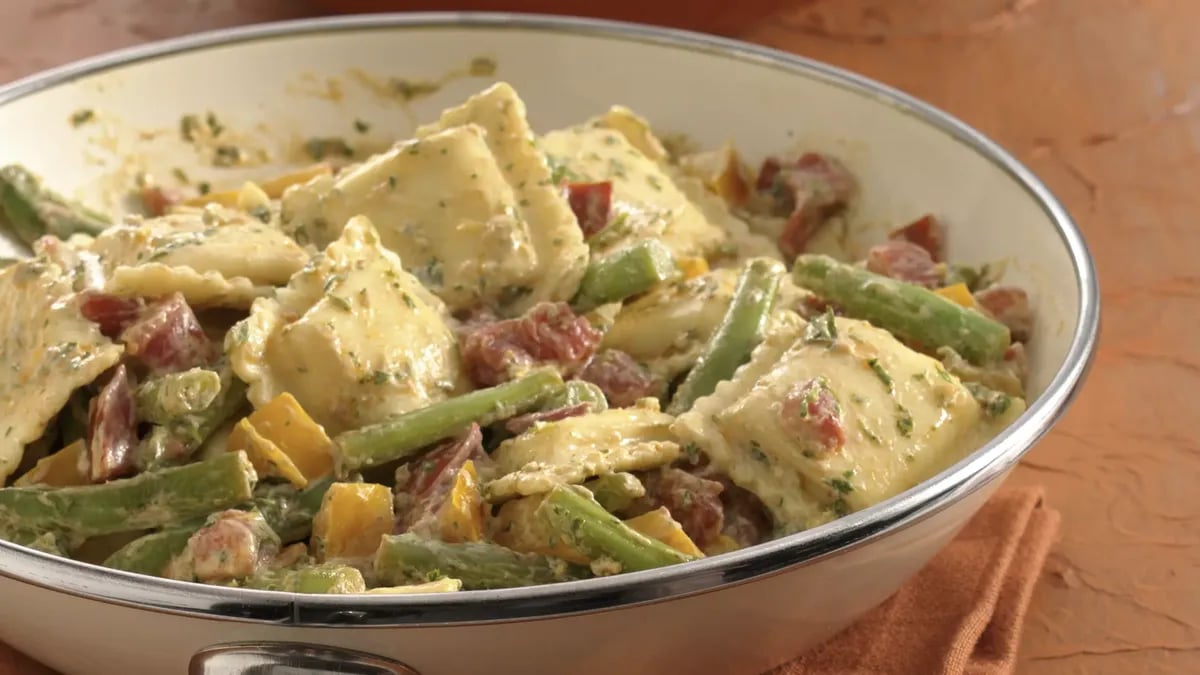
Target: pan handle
x=290 y=658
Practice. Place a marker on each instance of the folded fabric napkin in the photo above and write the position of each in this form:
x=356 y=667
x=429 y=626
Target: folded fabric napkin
x=962 y=614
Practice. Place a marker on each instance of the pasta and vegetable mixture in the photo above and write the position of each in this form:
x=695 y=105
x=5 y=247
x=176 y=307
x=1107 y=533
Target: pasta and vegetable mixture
x=483 y=358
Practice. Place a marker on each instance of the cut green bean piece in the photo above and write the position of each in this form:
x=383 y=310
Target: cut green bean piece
x=147 y=501
x=328 y=578
x=912 y=313
x=616 y=491
x=408 y=558
x=287 y=510
x=581 y=521
x=404 y=434
x=55 y=543
x=165 y=399
x=740 y=331
x=576 y=392
x=290 y=511
x=30 y=211
x=175 y=442
x=629 y=271
x=151 y=553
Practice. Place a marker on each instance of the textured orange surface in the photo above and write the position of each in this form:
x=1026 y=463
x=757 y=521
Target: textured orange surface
x=1102 y=99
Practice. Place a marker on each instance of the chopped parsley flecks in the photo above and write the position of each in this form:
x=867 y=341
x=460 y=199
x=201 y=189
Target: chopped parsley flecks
x=822 y=329
x=320 y=148
x=904 y=421
x=842 y=485
x=881 y=373
x=82 y=117
x=994 y=403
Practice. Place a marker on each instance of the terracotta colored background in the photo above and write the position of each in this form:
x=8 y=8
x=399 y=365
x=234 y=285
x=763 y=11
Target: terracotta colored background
x=1102 y=99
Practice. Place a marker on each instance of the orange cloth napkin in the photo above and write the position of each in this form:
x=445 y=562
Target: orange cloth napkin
x=961 y=615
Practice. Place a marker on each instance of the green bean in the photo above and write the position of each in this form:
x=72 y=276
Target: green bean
x=287 y=510
x=165 y=399
x=404 y=434
x=576 y=392
x=328 y=578
x=616 y=491
x=581 y=521
x=910 y=312
x=407 y=558
x=623 y=273
x=740 y=331
x=175 y=442
x=144 y=502
x=30 y=211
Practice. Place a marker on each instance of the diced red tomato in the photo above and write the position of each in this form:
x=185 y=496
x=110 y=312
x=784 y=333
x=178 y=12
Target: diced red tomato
x=168 y=337
x=694 y=501
x=112 y=430
x=905 y=261
x=811 y=415
x=521 y=423
x=622 y=379
x=746 y=518
x=926 y=232
x=591 y=203
x=113 y=313
x=424 y=483
x=1010 y=306
x=230 y=546
x=549 y=333
x=157 y=200
x=808 y=191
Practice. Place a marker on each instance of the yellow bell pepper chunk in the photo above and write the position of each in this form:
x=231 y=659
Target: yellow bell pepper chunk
x=273 y=187
x=960 y=294
x=693 y=267
x=284 y=423
x=268 y=459
x=62 y=469
x=352 y=520
x=636 y=130
x=461 y=518
x=722 y=544
x=517 y=526
x=731 y=183
x=658 y=524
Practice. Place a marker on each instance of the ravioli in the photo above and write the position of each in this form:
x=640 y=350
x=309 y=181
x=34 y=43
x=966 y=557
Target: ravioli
x=48 y=350
x=562 y=255
x=353 y=337
x=443 y=204
x=577 y=448
x=213 y=256
x=667 y=327
x=743 y=243
x=646 y=202
x=635 y=129
x=904 y=417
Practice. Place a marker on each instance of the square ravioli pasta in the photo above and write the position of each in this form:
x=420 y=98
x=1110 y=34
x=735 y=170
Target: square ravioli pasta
x=48 y=350
x=573 y=449
x=215 y=257
x=353 y=337
x=821 y=423
x=468 y=205
x=646 y=202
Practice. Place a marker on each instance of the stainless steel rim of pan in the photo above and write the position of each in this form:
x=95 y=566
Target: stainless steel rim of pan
x=980 y=468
